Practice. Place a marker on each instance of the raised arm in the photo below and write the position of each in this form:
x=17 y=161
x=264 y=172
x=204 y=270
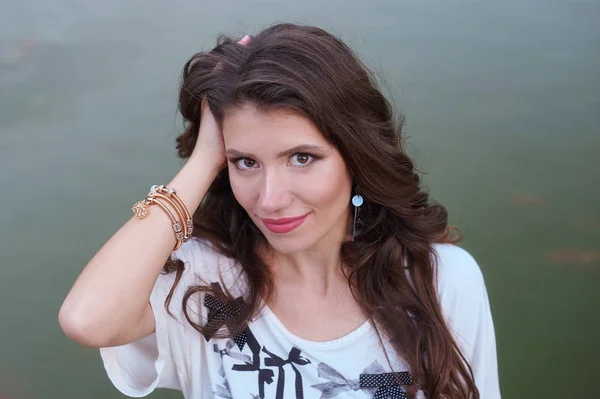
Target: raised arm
x=109 y=303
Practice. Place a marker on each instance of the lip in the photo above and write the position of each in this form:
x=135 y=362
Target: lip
x=283 y=225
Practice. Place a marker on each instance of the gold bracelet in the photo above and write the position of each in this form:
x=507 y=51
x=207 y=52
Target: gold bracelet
x=176 y=224
x=178 y=211
x=172 y=193
x=141 y=210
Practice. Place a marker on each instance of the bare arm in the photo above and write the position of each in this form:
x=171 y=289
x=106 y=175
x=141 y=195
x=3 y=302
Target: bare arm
x=109 y=303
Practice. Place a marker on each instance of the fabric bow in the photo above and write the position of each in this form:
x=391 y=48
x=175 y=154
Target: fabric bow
x=388 y=384
x=226 y=351
x=336 y=383
x=223 y=391
x=293 y=359
x=221 y=313
x=265 y=376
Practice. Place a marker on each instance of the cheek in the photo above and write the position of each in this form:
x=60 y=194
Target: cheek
x=242 y=190
x=328 y=186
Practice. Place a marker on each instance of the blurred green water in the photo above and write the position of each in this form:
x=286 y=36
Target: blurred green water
x=503 y=108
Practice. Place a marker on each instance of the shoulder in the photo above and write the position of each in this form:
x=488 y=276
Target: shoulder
x=203 y=265
x=460 y=284
x=461 y=291
x=465 y=304
x=457 y=271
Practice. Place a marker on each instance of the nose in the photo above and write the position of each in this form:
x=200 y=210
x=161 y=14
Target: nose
x=274 y=194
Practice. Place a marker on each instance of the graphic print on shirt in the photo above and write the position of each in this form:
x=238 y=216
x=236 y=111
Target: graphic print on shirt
x=221 y=313
x=389 y=385
x=337 y=384
x=266 y=375
x=373 y=380
x=224 y=391
x=294 y=359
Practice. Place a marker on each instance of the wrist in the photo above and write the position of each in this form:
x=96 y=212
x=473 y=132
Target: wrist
x=207 y=161
x=194 y=179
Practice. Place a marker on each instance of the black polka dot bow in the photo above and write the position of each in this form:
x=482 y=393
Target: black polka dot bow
x=388 y=384
x=221 y=313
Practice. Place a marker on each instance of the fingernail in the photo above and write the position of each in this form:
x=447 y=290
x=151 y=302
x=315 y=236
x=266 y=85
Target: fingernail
x=245 y=40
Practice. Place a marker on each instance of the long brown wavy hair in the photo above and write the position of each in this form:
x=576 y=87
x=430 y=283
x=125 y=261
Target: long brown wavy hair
x=392 y=264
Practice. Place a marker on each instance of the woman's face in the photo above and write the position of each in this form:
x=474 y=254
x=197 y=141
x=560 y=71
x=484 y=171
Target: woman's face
x=292 y=183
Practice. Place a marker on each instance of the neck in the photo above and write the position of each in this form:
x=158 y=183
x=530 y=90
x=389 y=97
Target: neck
x=317 y=269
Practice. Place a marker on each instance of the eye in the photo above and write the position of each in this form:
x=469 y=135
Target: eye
x=301 y=159
x=245 y=163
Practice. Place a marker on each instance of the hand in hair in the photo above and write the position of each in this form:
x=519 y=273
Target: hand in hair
x=210 y=143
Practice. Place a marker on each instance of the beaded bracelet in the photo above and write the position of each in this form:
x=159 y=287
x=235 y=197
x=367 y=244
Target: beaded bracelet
x=182 y=234
x=178 y=211
x=172 y=193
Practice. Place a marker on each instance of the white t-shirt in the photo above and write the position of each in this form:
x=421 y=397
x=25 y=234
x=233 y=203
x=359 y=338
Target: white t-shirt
x=273 y=362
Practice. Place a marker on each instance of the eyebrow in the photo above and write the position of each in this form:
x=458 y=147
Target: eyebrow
x=299 y=148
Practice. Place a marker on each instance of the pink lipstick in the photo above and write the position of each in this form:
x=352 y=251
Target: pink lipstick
x=283 y=225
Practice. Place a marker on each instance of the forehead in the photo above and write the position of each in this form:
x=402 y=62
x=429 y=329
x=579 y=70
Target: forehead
x=247 y=129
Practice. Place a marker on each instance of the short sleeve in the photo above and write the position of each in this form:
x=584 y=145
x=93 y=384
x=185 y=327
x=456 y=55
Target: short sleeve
x=156 y=361
x=465 y=303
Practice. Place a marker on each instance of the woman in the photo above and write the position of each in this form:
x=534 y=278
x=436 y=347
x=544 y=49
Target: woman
x=317 y=266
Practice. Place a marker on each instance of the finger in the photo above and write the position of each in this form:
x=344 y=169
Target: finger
x=245 y=40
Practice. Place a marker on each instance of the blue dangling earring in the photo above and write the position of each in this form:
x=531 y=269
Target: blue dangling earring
x=357 y=225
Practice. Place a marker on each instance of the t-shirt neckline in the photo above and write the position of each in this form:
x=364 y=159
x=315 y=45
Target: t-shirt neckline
x=337 y=343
